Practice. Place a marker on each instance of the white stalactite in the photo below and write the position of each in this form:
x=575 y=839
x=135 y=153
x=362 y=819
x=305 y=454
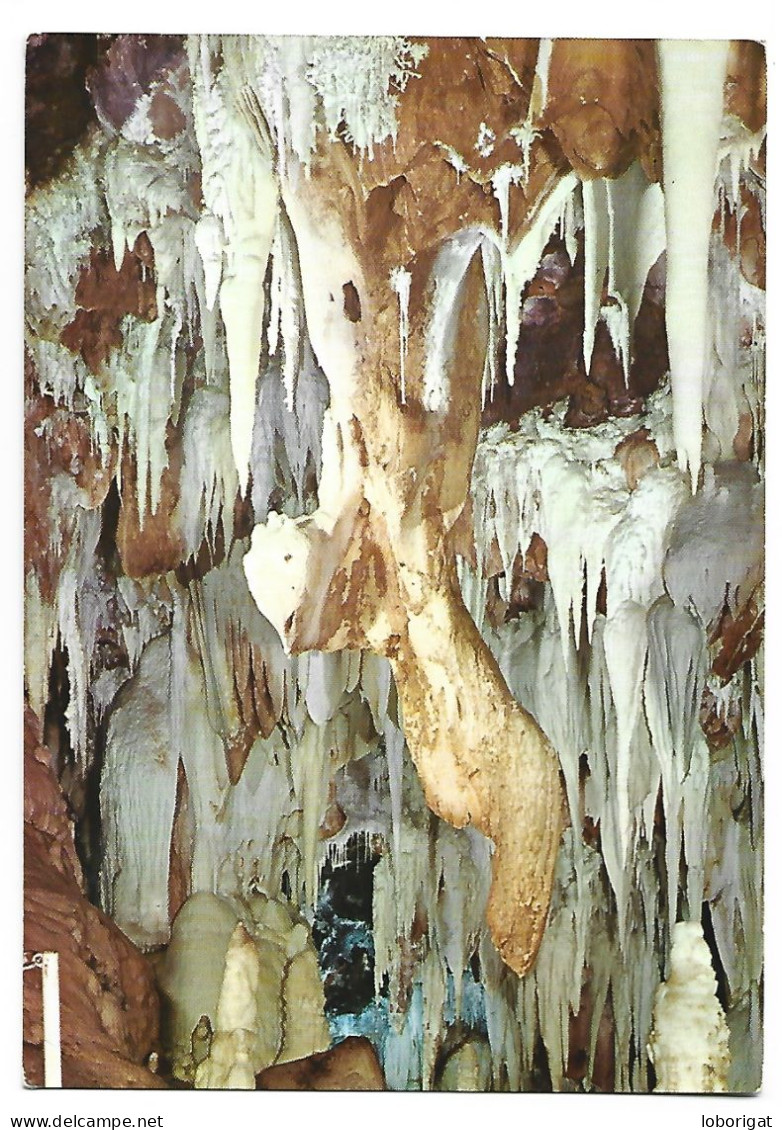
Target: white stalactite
x=241 y=191
x=596 y=255
x=692 y=80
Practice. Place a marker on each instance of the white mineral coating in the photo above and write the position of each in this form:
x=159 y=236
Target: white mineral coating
x=636 y=239
x=692 y=79
x=60 y=221
x=295 y=429
x=524 y=482
x=240 y=192
x=276 y=568
x=208 y=481
x=144 y=401
x=400 y=280
x=242 y=303
x=688 y=1044
x=673 y=688
x=356 y=78
x=209 y=239
x=624 y=236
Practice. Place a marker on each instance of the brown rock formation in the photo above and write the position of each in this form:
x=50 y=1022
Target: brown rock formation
x=105 y=295
x=108 y=1003
x=62 y=468
x=58 y=109
x=603 y=104
x=154 y=544
x=350 y=1066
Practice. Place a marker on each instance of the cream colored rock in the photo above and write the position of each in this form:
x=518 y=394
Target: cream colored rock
x=688 y=1044
x=243 y=990
x=306 y=1029
x=240 y=1040
x=191 y=974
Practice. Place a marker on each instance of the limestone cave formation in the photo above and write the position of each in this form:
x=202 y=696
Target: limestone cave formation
x=394 y=561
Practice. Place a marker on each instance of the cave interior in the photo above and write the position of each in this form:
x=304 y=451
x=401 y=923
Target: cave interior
x=394 y=561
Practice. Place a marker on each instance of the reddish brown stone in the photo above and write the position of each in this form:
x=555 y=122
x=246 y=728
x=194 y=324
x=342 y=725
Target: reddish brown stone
x=744 y=439
x=108 y=1004
x=165 y=116
x=747 y=236
x=718 y=724
x=350 y=1066
x=737 y=637
x=580 y=1041
x=334 y=817
x=62 y=467
x=638 y=454
x=181 y=847
x=589 y=404
x=603 y=103
x=549 y=362
x=154 y=545
x=105 y=295
x=650 y=340
x=745 y=84
x=549 y=358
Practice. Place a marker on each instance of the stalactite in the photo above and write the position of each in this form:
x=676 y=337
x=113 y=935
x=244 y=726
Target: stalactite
x=691 y=127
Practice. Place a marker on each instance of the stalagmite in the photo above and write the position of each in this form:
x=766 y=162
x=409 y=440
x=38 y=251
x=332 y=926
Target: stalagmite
x=229 y=1064
x=692 y=77
x=248 y=969
x=688 y=1044
x=193 y=971
x=139 y=792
